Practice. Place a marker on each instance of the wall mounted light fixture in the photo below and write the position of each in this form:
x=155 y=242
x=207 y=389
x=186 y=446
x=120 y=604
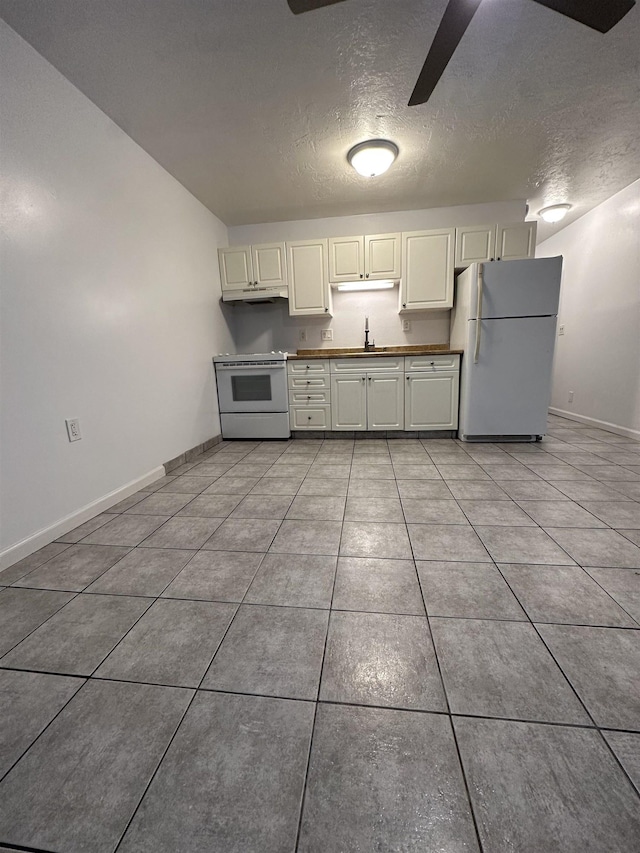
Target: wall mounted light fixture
x=373 y=157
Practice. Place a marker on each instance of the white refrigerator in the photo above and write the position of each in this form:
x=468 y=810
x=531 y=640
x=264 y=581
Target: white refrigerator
x=504 y=318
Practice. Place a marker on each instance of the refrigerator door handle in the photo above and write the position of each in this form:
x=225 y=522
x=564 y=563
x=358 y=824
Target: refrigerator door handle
x=476 y=352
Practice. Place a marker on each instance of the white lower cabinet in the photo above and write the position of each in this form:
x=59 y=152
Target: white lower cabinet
x=371 y=401
x=431 y=401
x=349 y=401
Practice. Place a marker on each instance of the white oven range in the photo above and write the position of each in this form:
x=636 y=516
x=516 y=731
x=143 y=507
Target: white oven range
x=252 y=395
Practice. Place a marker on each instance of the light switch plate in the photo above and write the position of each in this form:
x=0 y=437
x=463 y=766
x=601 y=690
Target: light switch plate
x=561 y=329
x=406 y=325
x=327 y=334
x=302 y=336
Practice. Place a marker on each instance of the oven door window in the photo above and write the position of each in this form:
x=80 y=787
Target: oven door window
x=251 y=388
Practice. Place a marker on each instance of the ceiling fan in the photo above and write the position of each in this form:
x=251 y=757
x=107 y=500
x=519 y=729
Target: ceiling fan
x=600 y=15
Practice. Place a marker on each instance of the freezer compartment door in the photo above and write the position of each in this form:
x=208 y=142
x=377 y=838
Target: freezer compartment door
x=507 y=391
x=529 y=288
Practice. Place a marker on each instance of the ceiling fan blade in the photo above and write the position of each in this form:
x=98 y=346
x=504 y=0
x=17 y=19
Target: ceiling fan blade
x=457 y=17
x=600 y=15
x=299 y=6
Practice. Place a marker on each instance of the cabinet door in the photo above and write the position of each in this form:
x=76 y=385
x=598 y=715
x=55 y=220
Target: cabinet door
x=427 y=264
x=346 y=258
x=516 y=241
x=308 y=278
x=349 y=401
x=431 y=401
x=385 y=401
x=475 y=244
x=236 y=269
x=382 y=256
x=269 y=264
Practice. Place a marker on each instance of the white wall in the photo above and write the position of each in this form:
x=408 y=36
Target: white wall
x=265 y=328
x=598 y=357
x=110 y=309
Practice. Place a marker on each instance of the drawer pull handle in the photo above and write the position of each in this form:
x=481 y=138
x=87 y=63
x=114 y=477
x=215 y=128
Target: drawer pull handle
x=308 y=417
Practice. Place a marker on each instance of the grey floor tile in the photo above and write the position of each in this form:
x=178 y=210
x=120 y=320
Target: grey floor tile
x=522 y=545
x=624 y=490
x=28 y=703
x=143 y=571
x=446 y=542
x=533 y=789
x=330 y=471
x=160 y=503
x=24 y=610
x=85 y=529
x=173 y=643
x=211 y=469
x=307 y=537
x=277 y=486
x=274 y=651
x=564 y=594
x=128 y=530
x=183 y=533
x=375 y=539
x=384 y=780
x=316 y=486
x=600 y=548
x=603 y=664
x=33 y=561
x=431 y=489
x=561 y=473
x=262 y=506
x=127 y=503
x=294 y=580
x=378 y=586
x=510 y=471
x=381 y=659
x=625 y=514
x=239 y=534
x=414 y=471
x=369 y=471
x=77 y=638
x=288 y=470
x=613 y=473
x=317 y=507
x=502 y=669
x=468 y=591
x=230 y=484
x=527 y=490
x=79 y=785
x=626 y=747
x=373 y=509
x=462 y=472
x=589 y=491
x=623 y=585
x=476 y=490
x=75 y=568
x=500 y=513
x=559 y=514
x=187 y=485
x=231 y=781
x=421 y=511
x=215 y=576
x=632 y=535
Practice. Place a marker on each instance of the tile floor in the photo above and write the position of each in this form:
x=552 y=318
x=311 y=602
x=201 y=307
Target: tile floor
x=376 y=645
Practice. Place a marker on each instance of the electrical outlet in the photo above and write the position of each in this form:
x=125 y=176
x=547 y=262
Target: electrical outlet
x=327 y=334
x=73 y=429
x=302 y=336
x=571 y=396
x=406 y=325
x=561 y=329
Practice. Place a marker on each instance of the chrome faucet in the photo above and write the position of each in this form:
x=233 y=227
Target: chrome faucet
x=367 y=346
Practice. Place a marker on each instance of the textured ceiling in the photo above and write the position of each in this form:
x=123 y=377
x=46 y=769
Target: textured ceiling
x=254 y=109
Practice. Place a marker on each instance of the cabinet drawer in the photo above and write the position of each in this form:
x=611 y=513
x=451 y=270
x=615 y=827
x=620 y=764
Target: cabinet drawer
x=308 y=368
x=430 y=363
x=309 y=398
x=309 y=383
x=310 y=417
x=364 y=365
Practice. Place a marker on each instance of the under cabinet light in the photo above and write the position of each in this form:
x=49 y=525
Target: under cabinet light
x=385 y=284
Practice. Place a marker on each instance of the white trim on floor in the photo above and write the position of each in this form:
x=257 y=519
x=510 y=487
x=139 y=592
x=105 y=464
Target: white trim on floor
x=64 y=525
x=594 y=422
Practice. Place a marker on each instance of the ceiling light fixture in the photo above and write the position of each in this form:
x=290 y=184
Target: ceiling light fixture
x=373 y=157
x=385 y=284
x=555 y=212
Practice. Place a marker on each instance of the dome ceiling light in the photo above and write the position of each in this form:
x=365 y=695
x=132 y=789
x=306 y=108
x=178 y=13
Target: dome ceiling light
x=555 y=212
x=373 y=157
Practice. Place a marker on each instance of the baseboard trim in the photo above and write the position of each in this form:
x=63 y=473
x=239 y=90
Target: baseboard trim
x=594 y=422
x=64 y=525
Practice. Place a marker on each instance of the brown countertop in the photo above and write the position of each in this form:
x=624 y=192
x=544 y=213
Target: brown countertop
x=358 y=352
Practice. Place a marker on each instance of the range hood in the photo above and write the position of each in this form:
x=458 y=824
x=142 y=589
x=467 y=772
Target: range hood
x=256 y=295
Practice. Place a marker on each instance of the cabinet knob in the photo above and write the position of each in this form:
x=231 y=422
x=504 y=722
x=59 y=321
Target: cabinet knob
x=408 y=378
x=361 y=276
x=326 y=309
x=369 y=379
x=308 y=396
x=367 y=275
x=363 y=378
x=404 y=304
x=432 y=363
x=308 y=417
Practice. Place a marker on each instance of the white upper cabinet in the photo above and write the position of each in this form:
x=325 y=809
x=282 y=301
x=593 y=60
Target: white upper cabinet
x=428 y=266
x=374 y=257
x=236 y=267
x=309 y=291
x=269 y=264
x=516 y=241
x=502 y=242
